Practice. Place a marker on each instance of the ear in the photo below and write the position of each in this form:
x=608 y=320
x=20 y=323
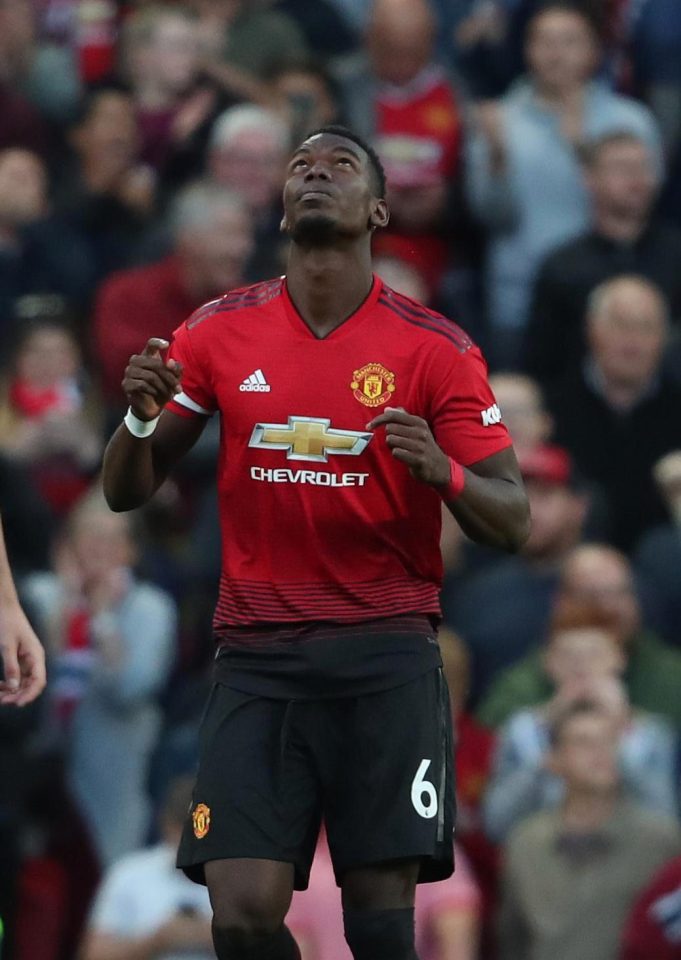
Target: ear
x=283 y=226
x=379 y=216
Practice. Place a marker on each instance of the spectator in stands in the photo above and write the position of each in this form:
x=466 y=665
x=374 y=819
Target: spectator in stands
x=502 y=611
x=38 y=253
x=655 y=35
x=571 y=874
x=654 y=928
x=584 y=662
x=600 y=576
x=145 y=907
x=403 y=102
x=658 y=556
x=612 y=413
x=160 y=55
x=213 y=241
x=446 y=916
x=308 y=97
x=524 y=410
x=103 y=188
x=244 y=43
x=49 y=415
x=111 y=641
x=47 y=74
x=247 y=154
x=624 y=238
x=402 y=276
x=524 y=179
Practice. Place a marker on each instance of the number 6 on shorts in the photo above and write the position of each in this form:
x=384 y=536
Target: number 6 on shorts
x=421 y=788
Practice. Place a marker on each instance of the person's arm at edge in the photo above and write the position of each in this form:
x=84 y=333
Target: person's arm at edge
x=487 y=498
x=135 y=467
x=105 y=946
x=23 y=656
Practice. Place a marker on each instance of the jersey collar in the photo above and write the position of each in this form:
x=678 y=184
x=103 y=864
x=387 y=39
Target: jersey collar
x=344 y=328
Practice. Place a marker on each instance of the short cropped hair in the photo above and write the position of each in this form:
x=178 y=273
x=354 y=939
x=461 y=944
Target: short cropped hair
x=247 y=116
x=376 y=166
x=581 y=9
x=590 y=151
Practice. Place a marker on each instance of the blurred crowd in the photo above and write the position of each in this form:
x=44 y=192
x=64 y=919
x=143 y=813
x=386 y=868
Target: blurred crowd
x=533 y=155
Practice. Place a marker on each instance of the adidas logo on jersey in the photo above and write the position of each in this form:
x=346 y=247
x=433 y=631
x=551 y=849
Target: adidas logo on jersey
x=256 y=383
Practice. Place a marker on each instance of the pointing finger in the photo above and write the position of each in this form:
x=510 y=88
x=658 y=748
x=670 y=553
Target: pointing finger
x=154 y=346
x=391 y=415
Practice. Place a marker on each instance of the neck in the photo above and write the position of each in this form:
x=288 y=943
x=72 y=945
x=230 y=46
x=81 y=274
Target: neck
x=560 y=98
x=151 y=95
x=327 y=285
x=622 y=228
x=585 y=811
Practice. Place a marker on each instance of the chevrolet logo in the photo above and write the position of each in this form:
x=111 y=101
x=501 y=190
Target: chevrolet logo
x=308 y=438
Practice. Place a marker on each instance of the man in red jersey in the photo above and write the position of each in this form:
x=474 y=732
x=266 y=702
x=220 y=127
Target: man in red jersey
x=349 y=413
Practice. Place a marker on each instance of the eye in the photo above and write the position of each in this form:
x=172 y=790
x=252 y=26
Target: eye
x=297 y=163
x=344 y=160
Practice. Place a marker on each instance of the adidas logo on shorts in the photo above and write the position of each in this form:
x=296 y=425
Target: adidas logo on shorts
x=256 y=383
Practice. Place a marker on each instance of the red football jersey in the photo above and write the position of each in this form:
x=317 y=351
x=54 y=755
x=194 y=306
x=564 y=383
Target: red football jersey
x=319 y=521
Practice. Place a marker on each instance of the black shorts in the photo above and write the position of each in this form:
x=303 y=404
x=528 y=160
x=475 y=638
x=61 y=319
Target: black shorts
x=378 y=768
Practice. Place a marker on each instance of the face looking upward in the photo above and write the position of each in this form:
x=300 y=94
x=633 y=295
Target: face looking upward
x=330 y=194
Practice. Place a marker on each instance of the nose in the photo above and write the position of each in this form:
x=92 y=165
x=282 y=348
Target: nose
x=317 y=171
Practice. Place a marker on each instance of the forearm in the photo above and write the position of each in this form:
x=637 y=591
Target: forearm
x=492 y=511
x=100 y=946
x=130 y=475
x=8 y=593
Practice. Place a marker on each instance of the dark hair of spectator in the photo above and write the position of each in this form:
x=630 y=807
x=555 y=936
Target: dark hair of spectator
x=90 y=100
x=377 y=167
x=590 y=151
x=584 y=10
x=578 y=708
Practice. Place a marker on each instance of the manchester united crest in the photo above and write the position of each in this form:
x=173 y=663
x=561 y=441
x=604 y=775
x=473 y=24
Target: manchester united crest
x=373 y=384
x=201 y=820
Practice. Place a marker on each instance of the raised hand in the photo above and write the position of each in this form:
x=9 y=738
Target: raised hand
x=411 y=441
x=150 y=381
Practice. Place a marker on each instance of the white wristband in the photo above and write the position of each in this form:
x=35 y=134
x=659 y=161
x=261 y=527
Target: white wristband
x=139 y=428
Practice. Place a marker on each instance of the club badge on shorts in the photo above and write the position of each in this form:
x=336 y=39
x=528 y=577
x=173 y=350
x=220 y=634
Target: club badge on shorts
x=372 y=384
x=201 y=820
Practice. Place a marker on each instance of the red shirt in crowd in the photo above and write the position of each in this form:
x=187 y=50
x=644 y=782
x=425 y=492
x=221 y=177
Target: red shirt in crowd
x=133 y=305
x=418 y=137
x=654 y=928
x=319 y=521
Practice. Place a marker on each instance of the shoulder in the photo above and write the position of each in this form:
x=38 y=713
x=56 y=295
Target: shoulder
x=42 y=589
x=530 y=834
x=149 y=275
x=425 y=325
x=617 y=110
x=566 y=257
x=235 y=303
x=146 y=596
x=650 y=827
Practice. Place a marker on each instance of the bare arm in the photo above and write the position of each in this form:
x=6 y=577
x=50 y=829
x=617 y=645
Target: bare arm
x=23 y=657
x=456 y=934
x=179 y=934
x=135 y=467
x=492 y=508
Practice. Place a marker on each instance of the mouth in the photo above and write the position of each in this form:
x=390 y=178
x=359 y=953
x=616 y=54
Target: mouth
x=314 y=195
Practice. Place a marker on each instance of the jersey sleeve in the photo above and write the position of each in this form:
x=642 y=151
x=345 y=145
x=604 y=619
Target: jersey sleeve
x=464 y=415
x=197 y=398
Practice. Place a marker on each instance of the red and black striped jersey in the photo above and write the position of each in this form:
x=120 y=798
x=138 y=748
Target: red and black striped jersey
x=319 y=521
